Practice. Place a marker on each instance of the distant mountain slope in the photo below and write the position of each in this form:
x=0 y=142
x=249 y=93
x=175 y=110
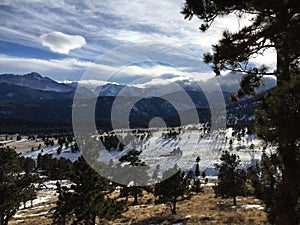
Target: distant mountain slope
x=35 y=81
x=60 y=110
x=15 y=93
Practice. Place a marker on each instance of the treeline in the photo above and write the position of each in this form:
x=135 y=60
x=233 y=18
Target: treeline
x=112 y=140
x=25 y=126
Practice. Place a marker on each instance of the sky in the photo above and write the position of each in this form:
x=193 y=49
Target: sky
x=119 y=41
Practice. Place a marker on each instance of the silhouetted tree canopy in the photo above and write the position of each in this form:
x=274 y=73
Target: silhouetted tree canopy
x=274 y=25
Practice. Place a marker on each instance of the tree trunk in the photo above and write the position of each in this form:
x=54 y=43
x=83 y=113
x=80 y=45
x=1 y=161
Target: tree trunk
x=5 y=222
x=174 y=206
x=135 y=202
x=283 y=50
x=4 y=219
x=287 y=214
x=234 y=200
x=93 y=219
x=283 y=65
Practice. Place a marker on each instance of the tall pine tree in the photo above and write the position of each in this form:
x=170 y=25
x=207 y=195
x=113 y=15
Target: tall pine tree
x=232 y=179
x=275 y=24
x=174 y=185
x=140 y=175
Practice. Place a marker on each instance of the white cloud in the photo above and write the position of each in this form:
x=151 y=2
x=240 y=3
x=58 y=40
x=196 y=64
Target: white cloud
x=268 y=58
x=62 y=43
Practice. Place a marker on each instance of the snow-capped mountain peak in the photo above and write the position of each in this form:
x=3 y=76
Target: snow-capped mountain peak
x=35 y=81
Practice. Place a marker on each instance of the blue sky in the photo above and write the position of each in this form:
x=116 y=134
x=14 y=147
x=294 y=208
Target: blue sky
x=62 y=39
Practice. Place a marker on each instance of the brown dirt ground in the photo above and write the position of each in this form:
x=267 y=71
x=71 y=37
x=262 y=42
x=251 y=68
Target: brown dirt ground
x=203 y=208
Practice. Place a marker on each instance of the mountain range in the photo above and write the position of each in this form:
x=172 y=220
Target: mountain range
x=35 y=98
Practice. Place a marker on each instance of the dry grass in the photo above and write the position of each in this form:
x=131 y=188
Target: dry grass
x=24 y=146
x=201 y=209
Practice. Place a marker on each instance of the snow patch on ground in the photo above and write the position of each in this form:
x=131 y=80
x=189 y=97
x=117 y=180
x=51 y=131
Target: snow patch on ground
x=52 y=150
x=249 y=207
x=43 y=196
x=51 y=184
x=31 y=215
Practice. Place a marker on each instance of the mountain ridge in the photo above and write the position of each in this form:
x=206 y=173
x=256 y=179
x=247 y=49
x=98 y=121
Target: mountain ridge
x=21 y=101
x=35 y=81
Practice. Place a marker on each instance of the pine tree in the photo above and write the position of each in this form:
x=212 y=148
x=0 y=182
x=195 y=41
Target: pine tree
x=197 y=169
x=140 y=175
x=87 y=199
x=266 y=183
x=27 y=192
x=232 y=180
x=277 y=123
x=27 y=164
x=13 y=185
x=255 y=181
x=275 y=24
x=194 y=177
x=155 y=172
x=58 y=150
x=174 y=184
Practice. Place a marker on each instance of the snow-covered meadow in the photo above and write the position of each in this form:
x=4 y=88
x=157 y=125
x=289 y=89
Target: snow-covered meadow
x=157 y=149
